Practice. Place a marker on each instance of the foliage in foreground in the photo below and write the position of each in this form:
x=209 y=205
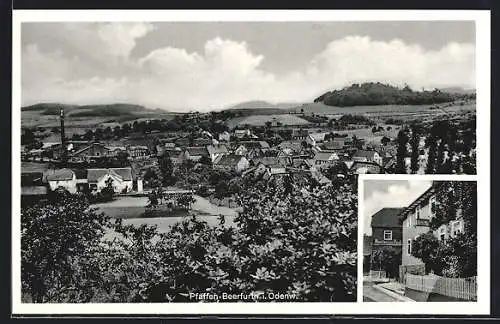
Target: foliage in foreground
x=286 y=240
x=455 y=256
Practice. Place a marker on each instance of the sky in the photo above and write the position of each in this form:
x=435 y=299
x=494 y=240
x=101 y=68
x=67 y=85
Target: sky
x=183 y=66
x=380 y=194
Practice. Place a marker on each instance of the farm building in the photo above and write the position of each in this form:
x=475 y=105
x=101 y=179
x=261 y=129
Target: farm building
x=231 y=162
x=121 y=179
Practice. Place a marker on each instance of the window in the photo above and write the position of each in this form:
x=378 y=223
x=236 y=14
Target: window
x=417 y=212
x=387 y=235
x=442 y=233
x=409 y=246
x=409 y=221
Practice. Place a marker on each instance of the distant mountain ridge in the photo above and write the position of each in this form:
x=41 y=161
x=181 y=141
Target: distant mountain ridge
x=115 y=109
x=260 y=104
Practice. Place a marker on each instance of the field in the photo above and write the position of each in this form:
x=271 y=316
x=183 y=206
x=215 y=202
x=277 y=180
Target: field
x=386 y=111
x=129 y=207
x=260 y=120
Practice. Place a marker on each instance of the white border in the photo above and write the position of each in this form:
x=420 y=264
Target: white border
x=482 y=20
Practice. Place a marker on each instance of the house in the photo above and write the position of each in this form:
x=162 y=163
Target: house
x=215 y=151
x=300 y=134
x=182 y=142
x=199 y=142
x=252 y=149
x=138 y=152
x=416 y=219
x=316 y=138
x=291 y=147
x=224 y=137
x=121 y=179
x=231 y=162
x=365 y=167
x=337 y=143
x=61 y=179
x=273 y=165
x=176 y=156
x=325 y=158
x=164 y=147
x=242 y=133
x=386 y=232
x=367 y=156
x=92 y=151
x=195 y=153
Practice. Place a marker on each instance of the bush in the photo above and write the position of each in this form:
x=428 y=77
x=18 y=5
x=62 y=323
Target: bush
x=301 y=241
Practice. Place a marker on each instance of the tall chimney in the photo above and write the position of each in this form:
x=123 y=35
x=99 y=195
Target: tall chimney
x=63 y=139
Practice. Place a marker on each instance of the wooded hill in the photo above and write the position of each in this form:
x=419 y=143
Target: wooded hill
x=372 y=94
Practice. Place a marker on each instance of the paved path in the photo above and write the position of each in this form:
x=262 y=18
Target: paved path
x=375 y=295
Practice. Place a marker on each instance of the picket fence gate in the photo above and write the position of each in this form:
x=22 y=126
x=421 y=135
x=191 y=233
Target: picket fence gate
x=461 y=288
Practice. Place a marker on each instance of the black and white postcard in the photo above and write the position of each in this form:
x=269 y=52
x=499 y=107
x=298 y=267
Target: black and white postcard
x=277 y=162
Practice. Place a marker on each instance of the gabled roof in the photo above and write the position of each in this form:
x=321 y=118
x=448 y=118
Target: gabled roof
x=59 y=175
x=292 y=145
x=364 y=153
x=300 y=132
x=386 y=217
x=197 y=151
x=229 y=160
x=80 y=173
x=425 y=195
x=217 y=149
x=271 y=161
x=138 y=147
x=93 y=175
x=255 y=144
x=324 y=156
x=318 y=136
x=88 y=147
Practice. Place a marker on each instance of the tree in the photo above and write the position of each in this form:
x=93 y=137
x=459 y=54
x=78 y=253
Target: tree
x=57 y=239
x=221 y=189
x=385 y=140
x=27 y=137
x=387 y=260
x=401 y=153
x=431 y=143
x=108 y=192
x=357 y=142
x=414 y=143
x=205 y=159
x=185 y=201
x=166 y=169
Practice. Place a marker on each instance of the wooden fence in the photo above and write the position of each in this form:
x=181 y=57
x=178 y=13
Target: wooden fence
x=460 y=288
x=377 y=274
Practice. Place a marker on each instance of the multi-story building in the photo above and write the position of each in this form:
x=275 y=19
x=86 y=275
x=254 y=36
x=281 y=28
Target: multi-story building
x=415 y=221
x=386 y=232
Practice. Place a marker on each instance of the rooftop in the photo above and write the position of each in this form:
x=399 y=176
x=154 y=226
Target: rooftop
x=386 y=217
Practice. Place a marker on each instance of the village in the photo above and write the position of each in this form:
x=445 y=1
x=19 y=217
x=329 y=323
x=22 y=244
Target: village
x=128 y=152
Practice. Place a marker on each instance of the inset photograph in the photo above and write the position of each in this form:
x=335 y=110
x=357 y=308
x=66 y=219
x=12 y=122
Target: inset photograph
x=419 y=241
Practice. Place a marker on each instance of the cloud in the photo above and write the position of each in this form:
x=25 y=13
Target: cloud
x=393 y=195
x=225 y=72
